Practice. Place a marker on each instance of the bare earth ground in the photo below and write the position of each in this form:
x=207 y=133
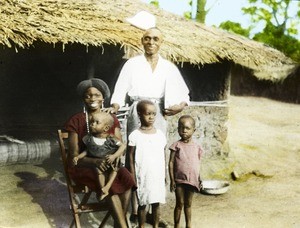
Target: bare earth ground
x=264 y=140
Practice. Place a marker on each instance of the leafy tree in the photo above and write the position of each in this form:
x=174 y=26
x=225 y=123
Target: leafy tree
x=274 y=12
x=201 y=12
x=275 y=37
x=235 y=28
x=280 y=27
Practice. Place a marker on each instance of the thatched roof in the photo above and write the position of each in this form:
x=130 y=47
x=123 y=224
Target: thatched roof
x=97 y=22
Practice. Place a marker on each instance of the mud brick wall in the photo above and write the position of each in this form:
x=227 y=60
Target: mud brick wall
x=211 y=129
x=211 y=134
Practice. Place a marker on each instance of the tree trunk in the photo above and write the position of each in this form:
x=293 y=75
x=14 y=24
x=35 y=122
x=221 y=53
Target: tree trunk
x=201 y=13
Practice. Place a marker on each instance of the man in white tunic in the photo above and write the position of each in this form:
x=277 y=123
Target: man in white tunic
x=149 y=76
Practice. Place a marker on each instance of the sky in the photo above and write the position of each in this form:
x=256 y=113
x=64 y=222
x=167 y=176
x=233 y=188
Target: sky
x=220 y=10
x=224 y=9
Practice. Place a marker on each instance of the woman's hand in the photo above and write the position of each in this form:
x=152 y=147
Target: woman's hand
x=109 y=110
x=102 y=164
x=113 y=109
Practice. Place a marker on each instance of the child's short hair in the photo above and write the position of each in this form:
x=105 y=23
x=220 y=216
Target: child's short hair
x=109 y=120
x=140 y=107
x=188 y=117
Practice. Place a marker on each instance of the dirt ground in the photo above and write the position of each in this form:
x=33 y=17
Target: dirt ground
x=264 y=142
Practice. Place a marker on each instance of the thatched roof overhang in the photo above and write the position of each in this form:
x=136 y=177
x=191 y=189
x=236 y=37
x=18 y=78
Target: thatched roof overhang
x=98 y=22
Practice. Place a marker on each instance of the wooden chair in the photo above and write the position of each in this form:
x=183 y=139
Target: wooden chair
x=79 y=194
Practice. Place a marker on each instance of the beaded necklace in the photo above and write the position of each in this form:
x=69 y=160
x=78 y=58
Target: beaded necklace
x=86 y=120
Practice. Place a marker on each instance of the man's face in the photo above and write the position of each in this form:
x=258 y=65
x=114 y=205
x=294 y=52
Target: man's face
x=151 y=41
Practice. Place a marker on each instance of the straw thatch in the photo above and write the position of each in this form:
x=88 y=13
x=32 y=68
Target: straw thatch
x=100 y=22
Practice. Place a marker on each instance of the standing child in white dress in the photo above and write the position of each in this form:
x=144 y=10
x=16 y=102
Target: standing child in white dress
x=147 y=162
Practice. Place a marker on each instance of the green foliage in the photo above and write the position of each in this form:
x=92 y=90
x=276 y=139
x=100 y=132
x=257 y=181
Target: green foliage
x=279 y=26
x=187 y=15
x=235 y=28
x=275 y=37
x=155 y=3
x=273 y=12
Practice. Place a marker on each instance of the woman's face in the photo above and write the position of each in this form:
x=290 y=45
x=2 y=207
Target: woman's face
x=93 y=99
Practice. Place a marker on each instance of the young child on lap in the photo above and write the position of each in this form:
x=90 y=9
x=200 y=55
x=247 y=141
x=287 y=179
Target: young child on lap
x=100 y=144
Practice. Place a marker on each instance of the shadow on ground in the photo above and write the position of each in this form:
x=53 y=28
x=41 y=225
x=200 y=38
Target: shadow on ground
x=35 y=195
x=50 y=194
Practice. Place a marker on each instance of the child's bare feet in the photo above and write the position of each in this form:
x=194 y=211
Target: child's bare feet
x=105 y=192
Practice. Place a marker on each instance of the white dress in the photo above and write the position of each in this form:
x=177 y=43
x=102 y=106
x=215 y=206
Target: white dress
x=149 y=166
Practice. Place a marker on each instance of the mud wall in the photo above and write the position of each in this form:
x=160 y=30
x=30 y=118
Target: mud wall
x=243 y=83
x=211 y=128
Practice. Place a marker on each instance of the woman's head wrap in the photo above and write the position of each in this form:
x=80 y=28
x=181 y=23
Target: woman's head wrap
x=94 y=82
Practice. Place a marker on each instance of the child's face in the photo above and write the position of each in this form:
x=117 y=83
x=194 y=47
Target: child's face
x=98 y=124
x=147 y=116
x=186 y=129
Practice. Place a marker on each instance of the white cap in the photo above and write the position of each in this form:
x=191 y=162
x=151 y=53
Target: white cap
x=142 y=20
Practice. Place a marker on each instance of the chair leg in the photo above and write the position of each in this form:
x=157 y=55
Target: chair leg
x=104 y=220
x=85 y=198
x=77 y=221
x=128 y=221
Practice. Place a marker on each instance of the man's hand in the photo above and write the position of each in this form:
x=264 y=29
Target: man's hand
x=173 y=110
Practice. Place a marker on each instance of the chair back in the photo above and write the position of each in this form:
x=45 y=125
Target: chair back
x=79 y=195
x=63 y=144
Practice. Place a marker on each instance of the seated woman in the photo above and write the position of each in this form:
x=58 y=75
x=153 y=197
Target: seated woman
x=93 y=92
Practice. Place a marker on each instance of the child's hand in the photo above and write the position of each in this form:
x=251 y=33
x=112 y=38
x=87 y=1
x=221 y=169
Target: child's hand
x=110 y=158
x=200 y=185
x=172 y=186
x=75 y=160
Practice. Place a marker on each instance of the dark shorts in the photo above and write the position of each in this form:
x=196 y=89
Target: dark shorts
x=87 y=176
x=187 y=187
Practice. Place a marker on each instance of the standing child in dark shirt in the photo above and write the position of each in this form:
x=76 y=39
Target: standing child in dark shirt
x=184 y=168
